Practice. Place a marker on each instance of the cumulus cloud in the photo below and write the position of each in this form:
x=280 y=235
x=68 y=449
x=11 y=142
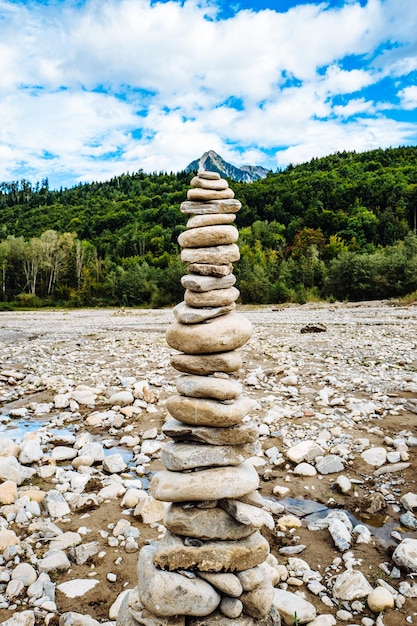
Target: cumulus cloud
x=96 y=88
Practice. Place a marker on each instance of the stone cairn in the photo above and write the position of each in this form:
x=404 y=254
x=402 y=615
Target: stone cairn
x=212 y=566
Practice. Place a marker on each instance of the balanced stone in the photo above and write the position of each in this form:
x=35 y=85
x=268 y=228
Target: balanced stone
x=215 y=297
x=208 y=236
x=133 y=613
x=197 y=194
x=207 y=484
x=227 y=582
x=210 y=175
x=211 y=556
x=207 y=183
x=169 y=593
x=230 y=205
x=210 y=220
x=258 y=603
x=221 y=334
x=234 y=435
x=206 y=524
x=204 y=412
x=214 y=255
x=184 y=456
x=189 y=315
x=208 y=387
x=207 y=363
x=196 y=282
x=248 y=514
x=209 y=269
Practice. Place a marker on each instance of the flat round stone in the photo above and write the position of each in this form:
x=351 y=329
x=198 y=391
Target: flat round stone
x=210 y=175
x=215 y=255
x=214 y=297
x=178 y=457
x=212 y=219
x=198 y=194
x=230 y=436
x=205 y=236
x=230 y=205
x=212 y=556
x=189 y=315
x=208 y=387
x=207 y=484
x=195 y=282
x=203 y=412
x=203 y=364
x=208 y=269
x=211 y=523
x=221 y=334
x=209 y=183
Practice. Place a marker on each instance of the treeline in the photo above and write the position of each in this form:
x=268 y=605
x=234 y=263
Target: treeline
x=338 y=227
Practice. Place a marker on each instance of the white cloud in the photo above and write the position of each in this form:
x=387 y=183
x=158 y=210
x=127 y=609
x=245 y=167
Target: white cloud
x=408 y=97
x=77 y=79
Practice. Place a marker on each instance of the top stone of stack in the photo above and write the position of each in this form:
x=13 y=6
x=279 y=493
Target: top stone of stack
x=210 y=194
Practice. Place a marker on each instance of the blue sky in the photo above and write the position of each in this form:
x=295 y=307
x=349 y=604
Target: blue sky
x=93 y=88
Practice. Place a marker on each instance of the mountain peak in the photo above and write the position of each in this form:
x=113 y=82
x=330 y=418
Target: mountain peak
x=213 y=162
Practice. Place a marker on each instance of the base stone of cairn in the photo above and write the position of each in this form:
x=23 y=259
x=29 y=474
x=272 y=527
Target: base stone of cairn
x=212 y=567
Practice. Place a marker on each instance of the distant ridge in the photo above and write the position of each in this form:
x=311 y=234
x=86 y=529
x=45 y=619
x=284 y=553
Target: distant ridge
x=212 y=161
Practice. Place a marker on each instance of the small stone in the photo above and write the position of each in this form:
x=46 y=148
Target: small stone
x=8 y=492
x=208 y=387
x=114 y=464
x=121 y=398
x=206 y=412
x=227 y=582
x=210 y=219
x=211 y=206
x=207 y=364
x=222 y=334
x=24 y=572
x=329 y=465
x=305 y=469
x=304 y=451
x=210 y=269
x=189 y=315
x=53 y=560
x=290 y=604
x=207 y=236
x=231 y=607
x=380 y=599
x=409 y=501
x=233 y=435
x=77 y=587
x=183 y=456
x=199 y=194
x=351 y=585
x=213 y=556
x=213 y=298
x=344 y=484
x=215 y=255
x=207 y=484
x=55 y=504
x=205 y=524
x=375 y=456
x=405 y=554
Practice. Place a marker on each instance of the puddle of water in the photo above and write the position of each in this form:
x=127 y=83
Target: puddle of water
x=380 y=526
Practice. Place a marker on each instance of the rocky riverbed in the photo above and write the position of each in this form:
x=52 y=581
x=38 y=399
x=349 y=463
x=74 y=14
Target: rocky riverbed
x=82 y=397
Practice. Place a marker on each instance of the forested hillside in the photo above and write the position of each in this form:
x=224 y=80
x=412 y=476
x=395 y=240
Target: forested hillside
x=339 y=227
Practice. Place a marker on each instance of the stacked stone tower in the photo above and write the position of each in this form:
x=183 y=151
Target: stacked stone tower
x=212 y=565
